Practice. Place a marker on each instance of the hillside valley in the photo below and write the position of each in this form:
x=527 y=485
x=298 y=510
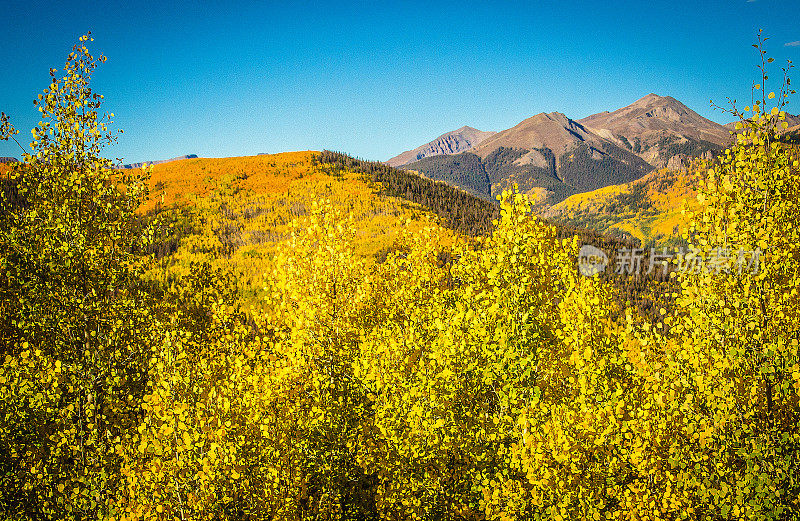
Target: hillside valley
x=653 y=210
x=236 y=212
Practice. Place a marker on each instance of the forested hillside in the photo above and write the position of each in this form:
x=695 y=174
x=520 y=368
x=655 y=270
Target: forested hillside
x=460 y=211
x=654 y=209
x=295 y=336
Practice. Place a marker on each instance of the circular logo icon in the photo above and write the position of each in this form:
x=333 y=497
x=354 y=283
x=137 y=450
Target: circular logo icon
x=591 y=260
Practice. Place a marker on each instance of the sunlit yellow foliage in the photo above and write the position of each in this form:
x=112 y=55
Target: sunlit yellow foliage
x=181 y=181
x=240 y=223
x=455 y=379
x=652 y=209
x=76 y=322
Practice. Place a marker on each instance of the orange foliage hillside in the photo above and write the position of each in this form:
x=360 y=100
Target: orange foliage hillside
x=179 y=182
x=653 y=209
x=234 y=213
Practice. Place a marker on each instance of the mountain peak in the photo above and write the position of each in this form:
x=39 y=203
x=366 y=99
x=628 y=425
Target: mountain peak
x=658 y=127
x=558 y=116
x=649 y=98
x=453 y=142
x=654 y=100
x=544 y=118
x=553 y=116
x=553 y=130
x=657 y=114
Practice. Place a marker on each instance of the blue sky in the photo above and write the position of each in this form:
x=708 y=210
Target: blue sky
x=221 y=79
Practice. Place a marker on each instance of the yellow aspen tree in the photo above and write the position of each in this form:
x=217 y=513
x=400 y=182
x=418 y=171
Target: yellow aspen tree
x=76 y=328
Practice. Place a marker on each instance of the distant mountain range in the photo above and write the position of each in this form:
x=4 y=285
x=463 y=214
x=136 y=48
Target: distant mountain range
x=128 y=166
x=453 y=142
x=553 y=157
x=159 y=161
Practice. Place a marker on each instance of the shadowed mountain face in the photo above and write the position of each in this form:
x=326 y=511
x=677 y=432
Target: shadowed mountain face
x=453 y=142
x=8 y=160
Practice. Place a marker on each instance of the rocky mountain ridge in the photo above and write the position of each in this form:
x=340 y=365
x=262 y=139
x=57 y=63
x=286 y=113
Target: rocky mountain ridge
x=453 y=142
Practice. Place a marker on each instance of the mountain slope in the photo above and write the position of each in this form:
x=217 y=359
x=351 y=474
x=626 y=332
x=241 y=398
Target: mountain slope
x=547 y=155
x=465 y=171
x=652 y=209
x=452 y=142
x=235 y=211
x=661 y=130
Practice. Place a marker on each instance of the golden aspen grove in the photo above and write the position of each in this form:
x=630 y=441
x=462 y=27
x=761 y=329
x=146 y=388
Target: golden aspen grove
x=273 y=338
